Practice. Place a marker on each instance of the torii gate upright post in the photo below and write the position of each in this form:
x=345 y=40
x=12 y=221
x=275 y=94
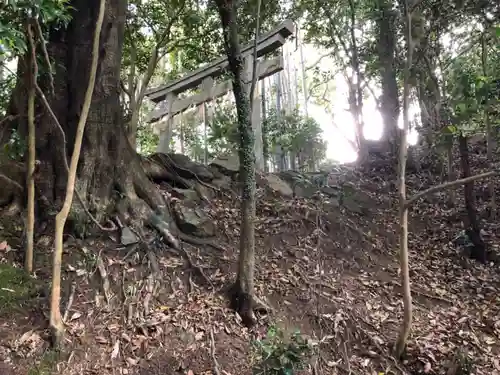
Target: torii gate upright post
x=255 y=115
x=171 y=104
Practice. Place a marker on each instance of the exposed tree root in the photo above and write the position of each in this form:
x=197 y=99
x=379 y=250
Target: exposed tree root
x=212 y=353
x=139 y=213
x=162 y=166
x=12 y=180
x=200 y=242
x=245 y=304
x=164 y=231
x=13 y=208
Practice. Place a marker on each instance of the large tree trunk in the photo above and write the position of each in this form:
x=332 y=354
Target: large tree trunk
x=265 y=144
x=473 y=229
x=356 y=96
x=242 y=293
x=386 y=56
x=108 y=163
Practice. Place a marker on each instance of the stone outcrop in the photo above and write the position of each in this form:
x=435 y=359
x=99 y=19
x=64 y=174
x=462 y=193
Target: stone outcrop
x=194 y=185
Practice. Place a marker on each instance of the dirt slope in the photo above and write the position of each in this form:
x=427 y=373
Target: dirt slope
x=326 y=269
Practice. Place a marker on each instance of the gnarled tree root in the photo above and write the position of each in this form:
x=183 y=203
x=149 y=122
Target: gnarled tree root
x=139 y=213
x=246 y=304
x=164 y=231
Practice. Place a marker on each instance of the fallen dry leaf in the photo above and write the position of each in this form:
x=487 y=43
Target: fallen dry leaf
x=4 y=246
x=116 y=349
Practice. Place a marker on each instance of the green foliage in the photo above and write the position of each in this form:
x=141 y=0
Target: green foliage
x=47 y=364
x=471 y=93
x=166 y=27
x=13 y=44
x=223 y=135
x=295 y=133
x=277 y=354
x=16 y=147
x=13 y=15
x=15 y=287
x=146 y=139
x=7 y=84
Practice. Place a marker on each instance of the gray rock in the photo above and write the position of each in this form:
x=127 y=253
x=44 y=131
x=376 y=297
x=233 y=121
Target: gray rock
x=227 y=164
x=193 y=221
x=352 y=192
x=203 y=191
x=187 y=194
x=128 y=237
x=276 y=184
x=187 y=168
x=224 y=182
x=304 y=190
x=331 y=191
x=300 y=184
x=355 y=200
x=352 y=205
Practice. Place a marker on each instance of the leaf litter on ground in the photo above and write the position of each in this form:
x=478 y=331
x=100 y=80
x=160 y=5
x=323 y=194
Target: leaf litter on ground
x=327 y=271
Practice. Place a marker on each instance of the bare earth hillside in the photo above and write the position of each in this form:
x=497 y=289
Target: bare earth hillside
x=327 y=266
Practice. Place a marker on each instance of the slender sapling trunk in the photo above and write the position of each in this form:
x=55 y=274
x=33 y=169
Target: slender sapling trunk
x=56 y=322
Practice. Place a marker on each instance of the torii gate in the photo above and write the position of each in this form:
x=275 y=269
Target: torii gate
x=169 y=105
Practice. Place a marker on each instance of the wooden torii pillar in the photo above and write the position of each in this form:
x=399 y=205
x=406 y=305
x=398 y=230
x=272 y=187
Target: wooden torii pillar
x=169 y=104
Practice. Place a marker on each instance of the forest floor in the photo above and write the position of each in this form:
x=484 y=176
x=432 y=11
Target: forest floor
x=329 y=273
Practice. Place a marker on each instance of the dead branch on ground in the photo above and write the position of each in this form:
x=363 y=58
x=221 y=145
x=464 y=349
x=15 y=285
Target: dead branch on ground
x=106 y=288
x=70 y=302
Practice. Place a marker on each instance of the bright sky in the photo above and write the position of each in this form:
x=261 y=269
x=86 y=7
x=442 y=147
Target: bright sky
x=339 y=128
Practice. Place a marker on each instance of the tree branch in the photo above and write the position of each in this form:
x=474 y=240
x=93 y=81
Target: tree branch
x=11 y=181
x=449 y=185
x=166 y=32
x=314 y=64
x=45 y=54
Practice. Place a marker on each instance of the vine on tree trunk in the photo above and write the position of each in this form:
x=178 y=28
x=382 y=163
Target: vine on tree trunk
x=56 y=323
x=30 y=180
x=242 y=292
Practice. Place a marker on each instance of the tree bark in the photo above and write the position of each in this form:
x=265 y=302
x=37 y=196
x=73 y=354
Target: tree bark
x=357 y=90
x=472 y=225
x=30 y=181
x=56 y=322
x=490 y=135
x=242 y=293
x=405 y=330
x=386 y=56
x=108 y=164
x=265 y=144
x=279 y=153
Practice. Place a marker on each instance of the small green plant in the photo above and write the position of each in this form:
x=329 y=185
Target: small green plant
x=47 y=364
x=16 y=287
x=464 y=365
x=280 y=354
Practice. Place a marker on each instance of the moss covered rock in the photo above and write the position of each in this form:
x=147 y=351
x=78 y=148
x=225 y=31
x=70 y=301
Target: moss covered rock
x=16 y=287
